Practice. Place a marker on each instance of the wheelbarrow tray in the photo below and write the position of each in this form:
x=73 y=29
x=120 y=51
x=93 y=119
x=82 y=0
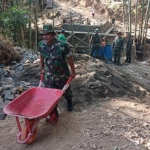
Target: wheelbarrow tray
x=34 y=103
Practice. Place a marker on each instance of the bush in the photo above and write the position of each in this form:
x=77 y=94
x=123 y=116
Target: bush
x=7 y=52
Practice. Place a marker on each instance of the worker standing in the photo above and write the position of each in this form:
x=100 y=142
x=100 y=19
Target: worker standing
x=93 y=12
x=61 y=36
x=55 y=57
x=129 y=48
x=95 y=42
x=118 y=47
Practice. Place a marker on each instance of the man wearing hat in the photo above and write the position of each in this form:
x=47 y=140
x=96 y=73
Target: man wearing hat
x=61 y=36
x=118 y=47
x=95 y=43
x=54 y=58
x=129 y=48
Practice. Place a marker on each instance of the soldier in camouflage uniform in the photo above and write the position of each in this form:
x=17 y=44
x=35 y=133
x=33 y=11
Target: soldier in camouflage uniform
x=129 y=48
x=95 y=42
x=118 y=47
x=54 y=57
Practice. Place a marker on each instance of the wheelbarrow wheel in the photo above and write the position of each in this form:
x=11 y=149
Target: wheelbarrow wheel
x=25 y=132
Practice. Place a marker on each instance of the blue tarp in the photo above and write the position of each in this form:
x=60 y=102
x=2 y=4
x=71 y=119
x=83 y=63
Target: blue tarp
x=105 y=52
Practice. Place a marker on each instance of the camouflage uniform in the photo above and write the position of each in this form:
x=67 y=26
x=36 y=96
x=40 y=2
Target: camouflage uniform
x=95 y=45
x=128 y=49
x=56 y=67
x=118 y=47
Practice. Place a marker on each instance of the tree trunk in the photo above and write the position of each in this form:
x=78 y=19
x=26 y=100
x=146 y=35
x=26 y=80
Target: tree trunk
x=130 y=14
x=136 y=14
x=36 y=26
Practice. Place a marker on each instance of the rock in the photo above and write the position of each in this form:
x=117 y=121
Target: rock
x=6 y=92
x=27 y=61
x=35 y=57
x=20 y=67
x=14 y=90
x=9 y=79
x=1 y=100
x=7 y=86
x=2 y=65
x=20 y=88
x=1 y=89
x=17 y=48
x=17 y=95
x=13 y=62
x=36 y=61
x=1 y=71
x=26 y=65
x=25 y=83
x=6 y=74
x=30 y=55
x=9 y=97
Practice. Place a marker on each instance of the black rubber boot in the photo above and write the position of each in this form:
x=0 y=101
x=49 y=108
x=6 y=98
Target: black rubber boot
x=69 y=105
x=126 y=60
x=114 y=61
x=129 y=61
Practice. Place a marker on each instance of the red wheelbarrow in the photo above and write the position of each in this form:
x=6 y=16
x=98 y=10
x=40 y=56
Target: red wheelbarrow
x=33 y=105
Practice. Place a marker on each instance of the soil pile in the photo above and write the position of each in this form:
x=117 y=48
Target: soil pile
x=7 y=52
x=96 y=79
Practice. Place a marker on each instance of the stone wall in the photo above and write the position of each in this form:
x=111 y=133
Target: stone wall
x=84 y=28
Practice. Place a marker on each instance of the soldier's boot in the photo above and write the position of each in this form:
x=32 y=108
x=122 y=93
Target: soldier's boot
x=118 y=62
x=69 y=105
x=129 y=61
x=114 y=60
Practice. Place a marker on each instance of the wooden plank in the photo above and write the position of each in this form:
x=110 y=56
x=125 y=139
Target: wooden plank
x=110 y=34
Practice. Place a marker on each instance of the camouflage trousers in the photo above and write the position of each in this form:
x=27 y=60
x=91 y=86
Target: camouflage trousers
x=95 y=47
x=117 y=54
x=59 y=84
x=128 y=54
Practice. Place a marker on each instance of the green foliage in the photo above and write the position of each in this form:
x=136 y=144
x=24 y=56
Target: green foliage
x=13 y=20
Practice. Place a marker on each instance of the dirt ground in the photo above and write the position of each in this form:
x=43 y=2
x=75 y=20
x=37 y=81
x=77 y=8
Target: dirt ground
x=106 y=116
x=107 y=124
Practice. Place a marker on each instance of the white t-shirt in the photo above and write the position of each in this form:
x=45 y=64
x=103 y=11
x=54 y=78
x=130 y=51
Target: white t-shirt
x=93 y=10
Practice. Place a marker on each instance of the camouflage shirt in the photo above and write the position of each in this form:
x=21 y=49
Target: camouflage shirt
x=129 y=44
x=119 y=43
x=96 y=39
x=55 y=55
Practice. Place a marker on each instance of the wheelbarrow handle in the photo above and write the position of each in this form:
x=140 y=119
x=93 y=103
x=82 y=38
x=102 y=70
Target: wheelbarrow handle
x=69 y=80
x=42 y=77
x=67 y=84
x=41 y=80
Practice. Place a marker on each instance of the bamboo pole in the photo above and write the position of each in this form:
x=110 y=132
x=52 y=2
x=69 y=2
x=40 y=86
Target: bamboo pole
x=88 y=30
x=136 y=14
x=146 y=22
x=72 y=29
x=30 y=30
x=130 y=13
x=53 y=11
x=124 y=13
x=36 y=26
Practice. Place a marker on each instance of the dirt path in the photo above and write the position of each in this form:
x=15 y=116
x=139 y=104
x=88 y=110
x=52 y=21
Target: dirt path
x=102 y=125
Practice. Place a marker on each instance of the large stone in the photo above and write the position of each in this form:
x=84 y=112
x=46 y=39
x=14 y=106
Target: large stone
x=27 y=61
x=6 y=92
x=1 y=71
x=1 y=89
x=20 y=67
x=9 y=97
x=14 y=90
x=20 y=88
x=10 y=79
x=25 y=83
x=7 y=87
